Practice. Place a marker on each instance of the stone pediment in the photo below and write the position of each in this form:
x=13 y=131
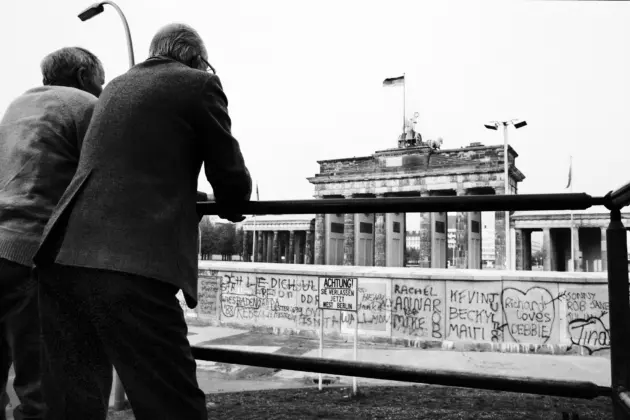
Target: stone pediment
x=417 y=162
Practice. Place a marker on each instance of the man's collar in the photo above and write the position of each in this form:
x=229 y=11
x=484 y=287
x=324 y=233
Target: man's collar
x=161 y=57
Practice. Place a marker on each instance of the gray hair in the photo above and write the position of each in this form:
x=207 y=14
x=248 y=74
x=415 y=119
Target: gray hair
x=179 y=42
x=60 y=67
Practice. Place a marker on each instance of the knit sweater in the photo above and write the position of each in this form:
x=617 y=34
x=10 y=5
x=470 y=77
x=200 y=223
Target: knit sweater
x=40 y=140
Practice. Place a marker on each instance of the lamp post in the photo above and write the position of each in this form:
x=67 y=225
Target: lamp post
x=494 y=125
x=89 y=13
x=98 y=8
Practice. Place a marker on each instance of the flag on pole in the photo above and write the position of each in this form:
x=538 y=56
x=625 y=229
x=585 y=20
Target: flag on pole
x=570 y=172
x=257 y=197
x=393 y=81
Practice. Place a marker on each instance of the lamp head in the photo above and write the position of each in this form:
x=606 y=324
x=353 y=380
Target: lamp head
x=91 y=11
x=520 y=124
x=492 y=126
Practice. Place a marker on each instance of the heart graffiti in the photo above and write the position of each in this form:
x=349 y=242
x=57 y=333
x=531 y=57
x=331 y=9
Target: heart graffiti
x=590 y=333
x=529 y=316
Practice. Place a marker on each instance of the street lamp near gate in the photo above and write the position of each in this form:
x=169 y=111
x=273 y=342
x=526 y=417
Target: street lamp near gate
x=98 y=8
x=494 y=125
x=89 y=13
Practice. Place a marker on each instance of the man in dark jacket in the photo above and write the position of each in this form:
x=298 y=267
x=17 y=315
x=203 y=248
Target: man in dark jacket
x=40 y=140
x=122 y=241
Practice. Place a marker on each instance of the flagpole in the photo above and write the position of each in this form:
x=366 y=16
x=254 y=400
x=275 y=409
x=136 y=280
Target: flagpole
x=404 y=102
x=254 y=231
x=395 y=81
x=571 y=190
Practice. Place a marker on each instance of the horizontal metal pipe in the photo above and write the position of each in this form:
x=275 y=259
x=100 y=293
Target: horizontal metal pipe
x=523 y=202
x=572 y=389
x=621 y=197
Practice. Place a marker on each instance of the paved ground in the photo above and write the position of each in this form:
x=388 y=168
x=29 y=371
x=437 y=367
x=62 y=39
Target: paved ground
x=218 y=377
x=568 y=367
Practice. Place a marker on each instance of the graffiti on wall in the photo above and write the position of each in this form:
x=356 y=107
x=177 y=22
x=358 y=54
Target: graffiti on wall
x=418 y=309
x=536 y=313
x=208 y=299
x=261 y=297
x=529 y=315
x=473 y=312
x=374 y=312
x=587 y=317
x=272 y=300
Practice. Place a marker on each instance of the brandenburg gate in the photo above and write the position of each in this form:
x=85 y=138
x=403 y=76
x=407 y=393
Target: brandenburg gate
x=415 y=168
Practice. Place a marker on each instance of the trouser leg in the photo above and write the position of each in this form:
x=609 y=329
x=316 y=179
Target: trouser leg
x=142 y=326
x=77 y=374
x=23 y=330
x=21 y=335
x=5 y=366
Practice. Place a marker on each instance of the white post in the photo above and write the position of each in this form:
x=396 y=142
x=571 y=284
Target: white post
x=355 y=349
x=321 y=342
x=508 y=247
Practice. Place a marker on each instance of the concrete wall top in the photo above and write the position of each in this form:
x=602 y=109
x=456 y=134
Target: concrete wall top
x=596 y=216
x=405 y=272
x=280 y=222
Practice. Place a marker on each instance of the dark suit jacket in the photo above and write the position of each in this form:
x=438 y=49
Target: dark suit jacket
x=131 y=205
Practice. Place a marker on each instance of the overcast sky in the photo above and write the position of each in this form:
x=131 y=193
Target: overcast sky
x=304 y=78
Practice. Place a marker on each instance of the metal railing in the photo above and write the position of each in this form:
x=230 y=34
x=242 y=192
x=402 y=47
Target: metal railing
x=558 y=388
x=618 y=290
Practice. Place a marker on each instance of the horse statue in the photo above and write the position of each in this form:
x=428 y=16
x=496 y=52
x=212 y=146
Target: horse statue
x=410 y=127
x=410 y=136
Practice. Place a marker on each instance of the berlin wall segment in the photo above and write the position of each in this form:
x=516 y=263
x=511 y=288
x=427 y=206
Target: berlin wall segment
x=471 y=309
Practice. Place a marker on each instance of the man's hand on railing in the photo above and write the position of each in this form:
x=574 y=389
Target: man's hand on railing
x=228 y=215
x=231 y=213
x=201 y=197
x=234 y=218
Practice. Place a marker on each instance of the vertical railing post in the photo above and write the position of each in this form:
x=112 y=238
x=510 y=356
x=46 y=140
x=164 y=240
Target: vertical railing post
x=619 y=306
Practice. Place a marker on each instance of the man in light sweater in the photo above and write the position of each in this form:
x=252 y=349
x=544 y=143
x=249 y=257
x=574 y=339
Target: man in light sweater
x=41 y=135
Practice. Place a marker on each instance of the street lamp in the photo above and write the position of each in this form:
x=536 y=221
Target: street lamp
x=89 y=13
x=494 y=125
x=96 y=9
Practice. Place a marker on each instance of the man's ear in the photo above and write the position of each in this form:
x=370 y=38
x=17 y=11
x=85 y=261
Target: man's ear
x=81 y=75
x=196 y=63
